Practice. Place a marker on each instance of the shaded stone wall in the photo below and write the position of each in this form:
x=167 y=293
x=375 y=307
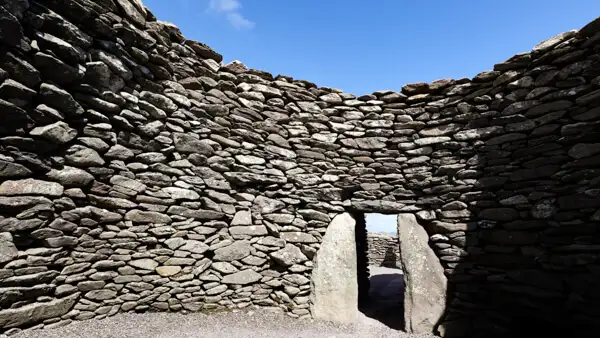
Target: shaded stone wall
x=383 y=250
x=139 y=173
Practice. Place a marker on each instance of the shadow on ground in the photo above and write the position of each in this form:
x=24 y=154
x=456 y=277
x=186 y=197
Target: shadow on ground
x=385 y=303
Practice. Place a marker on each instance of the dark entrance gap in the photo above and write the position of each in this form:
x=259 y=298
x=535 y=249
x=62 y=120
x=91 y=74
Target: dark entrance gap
x=380 y=289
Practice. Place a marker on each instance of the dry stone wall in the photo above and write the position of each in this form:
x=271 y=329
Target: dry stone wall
x=383 y=250
x=140 y=173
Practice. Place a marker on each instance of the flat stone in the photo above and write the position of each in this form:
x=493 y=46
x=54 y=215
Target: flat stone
x=334 y=282
x=249 y=160
x=265 y=205
x=30 y=186
x=425 y=289
x=58 y=132
x=84 y=157
x=248 y=230
x=102 y=294
x=132 y=12
x=168 y=271
x=233 y=252
x=242 y=277
x=194 y=246
x=298 y=237
x=22 y=202
x=70 y=176
x=60 y=99
x=181 y=194
x=242 y=217
x=36 y=312
x=582 y=150
x=13 y=170
x=119 y=152
x=289 y=255
x=144 y=264
x=138 y=216
x=185 y=143
x=224 y=267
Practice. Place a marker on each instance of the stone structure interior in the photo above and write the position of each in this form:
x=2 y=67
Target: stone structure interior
x=138 y=172
x=383 y=249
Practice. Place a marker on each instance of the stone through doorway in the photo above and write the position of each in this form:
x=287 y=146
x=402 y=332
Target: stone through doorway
x=380 y=279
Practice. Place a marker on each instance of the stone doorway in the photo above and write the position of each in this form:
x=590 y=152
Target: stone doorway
x=343 y=290
x=383 y=295
x=350 y=282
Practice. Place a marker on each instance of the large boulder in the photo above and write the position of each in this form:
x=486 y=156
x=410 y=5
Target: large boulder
x=334 y=281
x=424 y=279
x=36 y=312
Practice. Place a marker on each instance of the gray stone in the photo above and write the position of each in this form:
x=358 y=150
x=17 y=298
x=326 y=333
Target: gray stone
x=289 y=255
x=242 y=277
x=233 y=252
x=195 y=247
x=425 y=282
x=168 y=271
x=138 y=216
x=8 y=251
x=30 y=186
x=298 y=237
x=223 y=267
x=265 y=205
x=119 y=152
x=186 y=143
x=58 y=132
x=181 y=194
x=84 y=157
x=36 y=312
x=70 y=176
x=60 y=99
x=242 y=217
x=334 y=283
x=133 y=12
x=144 y=264
x=248 y=230
x=13 y=170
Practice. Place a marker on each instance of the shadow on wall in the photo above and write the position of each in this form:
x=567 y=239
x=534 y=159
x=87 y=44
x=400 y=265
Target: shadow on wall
x=130 y=156
x=519 y=239
x=391 y=259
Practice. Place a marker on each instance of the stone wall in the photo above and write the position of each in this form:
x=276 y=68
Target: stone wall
x=139 y=173
x=383 y=250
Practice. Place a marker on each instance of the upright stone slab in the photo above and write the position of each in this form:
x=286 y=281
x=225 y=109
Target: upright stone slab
x=334 y=282
x=424 y=279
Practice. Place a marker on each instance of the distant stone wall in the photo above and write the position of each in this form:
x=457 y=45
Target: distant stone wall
x=383 y=250
x=140 y=173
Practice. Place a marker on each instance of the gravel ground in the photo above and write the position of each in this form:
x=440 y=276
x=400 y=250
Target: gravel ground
x=226 y=325
x=242 y=324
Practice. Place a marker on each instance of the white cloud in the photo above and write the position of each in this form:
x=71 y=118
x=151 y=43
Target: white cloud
x=238 y=21
x=231 y=8
x=224 y=5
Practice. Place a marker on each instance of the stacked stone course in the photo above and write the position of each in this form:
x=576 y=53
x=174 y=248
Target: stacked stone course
x=383 y=250
x=140 y=173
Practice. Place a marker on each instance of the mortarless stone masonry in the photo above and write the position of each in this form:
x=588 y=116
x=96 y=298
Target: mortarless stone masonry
x=139 y=173
x=383 y=250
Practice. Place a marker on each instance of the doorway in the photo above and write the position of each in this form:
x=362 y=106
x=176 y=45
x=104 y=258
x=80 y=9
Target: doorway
x=380 y=278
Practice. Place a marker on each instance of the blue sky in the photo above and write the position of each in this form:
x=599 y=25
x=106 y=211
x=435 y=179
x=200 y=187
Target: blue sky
x=363 y=46
x=381 y=223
